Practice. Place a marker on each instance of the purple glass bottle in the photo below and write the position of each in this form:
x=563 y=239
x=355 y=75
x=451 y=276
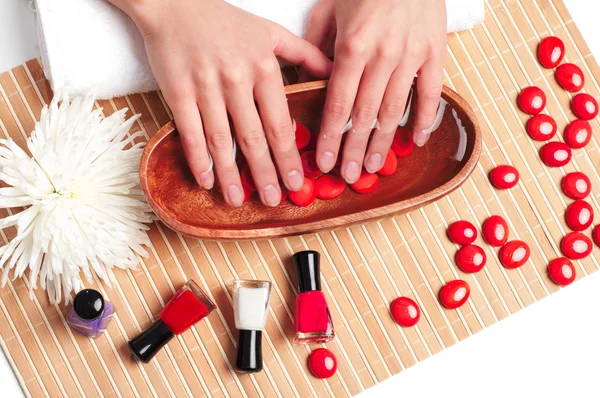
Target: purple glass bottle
x=90 y=314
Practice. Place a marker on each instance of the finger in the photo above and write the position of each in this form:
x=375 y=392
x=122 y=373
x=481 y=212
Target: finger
x=429 y=90
x=364 y=116
x=341 y=93
x=252 y=141
x=319 y=28
x=298 y=51
x=276 y=120
x=220 y=146
x=391 y=112
x=189 y=125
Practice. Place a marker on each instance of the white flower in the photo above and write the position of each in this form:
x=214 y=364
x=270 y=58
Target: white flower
x=84 y=209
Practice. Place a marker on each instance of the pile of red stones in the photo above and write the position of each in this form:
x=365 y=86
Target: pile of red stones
x=578 y=133
x=471 y=258
x=331 y=185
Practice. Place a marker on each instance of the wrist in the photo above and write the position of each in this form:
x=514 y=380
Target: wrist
x=140 y=11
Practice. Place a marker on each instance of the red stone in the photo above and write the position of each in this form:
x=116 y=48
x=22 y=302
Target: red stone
x=578 y=133
x=576 y=246
x=403 y=143
x=579 y=215
x=304 y=197
x=454 y=294
x=570 y=77
x=555 y=154
x=247 y=180
x=514 y=254
x=504 y=177
x=405 y=311
x=576 y=185
x=390 y=165
x=532 y=100
x=470 y=259
x=462 y=232
x=561 y=271
x=309 y=165
x=495 y=231
x=584 y=106
x=247 y=195
x=303 y=136
x=329 y=186
x=551 y=51
x=322 y=363
x=541 y=127
x=367 y=182
x=596 y=235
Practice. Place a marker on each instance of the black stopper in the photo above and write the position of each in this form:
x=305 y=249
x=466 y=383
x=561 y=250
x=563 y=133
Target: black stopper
x=147 y=344
x=309 y=275
x=249 y=353
x=88 y=304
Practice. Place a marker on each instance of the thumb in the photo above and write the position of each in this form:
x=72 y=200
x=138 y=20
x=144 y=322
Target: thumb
x=297 y=51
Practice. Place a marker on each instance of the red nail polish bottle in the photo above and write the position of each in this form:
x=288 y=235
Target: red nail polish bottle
x=188 y=306
x=313 y=322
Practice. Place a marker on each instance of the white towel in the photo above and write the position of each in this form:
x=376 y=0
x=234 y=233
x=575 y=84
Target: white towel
x=91 y=45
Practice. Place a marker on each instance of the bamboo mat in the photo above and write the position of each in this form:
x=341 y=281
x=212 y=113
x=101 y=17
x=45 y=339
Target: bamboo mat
x=364 y=267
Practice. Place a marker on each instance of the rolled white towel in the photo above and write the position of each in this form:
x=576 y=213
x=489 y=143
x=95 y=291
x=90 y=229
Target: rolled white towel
x=91 y=45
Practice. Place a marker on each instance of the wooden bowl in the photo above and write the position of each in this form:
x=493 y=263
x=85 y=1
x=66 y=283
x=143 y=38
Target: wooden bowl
x=426 y=175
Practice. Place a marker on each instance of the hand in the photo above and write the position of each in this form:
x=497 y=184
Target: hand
x=212 y=59
x=379 y=47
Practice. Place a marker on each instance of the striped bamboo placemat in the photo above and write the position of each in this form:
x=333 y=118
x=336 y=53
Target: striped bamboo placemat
x=364 y=267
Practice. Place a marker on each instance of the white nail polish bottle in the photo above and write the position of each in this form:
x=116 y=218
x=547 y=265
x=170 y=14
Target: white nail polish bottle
x=250 y=307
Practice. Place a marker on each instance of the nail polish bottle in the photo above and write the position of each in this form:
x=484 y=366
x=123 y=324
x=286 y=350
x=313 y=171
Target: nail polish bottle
x=90 y=313
x=313 y=322
x=250 y=306
x=188 y=306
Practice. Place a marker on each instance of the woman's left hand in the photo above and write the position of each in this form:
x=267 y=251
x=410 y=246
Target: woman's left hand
x=379 y=47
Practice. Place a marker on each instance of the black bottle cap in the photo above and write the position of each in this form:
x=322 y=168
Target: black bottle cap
x=309 y=275
x=147 y=344
x=88 y=304
x=249 y=353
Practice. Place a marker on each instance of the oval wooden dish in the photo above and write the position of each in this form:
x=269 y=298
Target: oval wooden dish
x=426 y=175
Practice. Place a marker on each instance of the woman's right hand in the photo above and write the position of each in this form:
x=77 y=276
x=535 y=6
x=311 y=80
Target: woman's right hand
x=212 y=60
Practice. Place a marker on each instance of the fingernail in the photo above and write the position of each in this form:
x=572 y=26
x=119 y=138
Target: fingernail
x=327 y=162
x=235 y=195
x=352 y=172
x=207 y=179
x=373 y=163
x=295 y=180
x=271 y=195
x=421 y=138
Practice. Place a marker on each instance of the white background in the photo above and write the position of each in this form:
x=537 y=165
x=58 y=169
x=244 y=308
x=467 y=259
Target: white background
x=551 y=349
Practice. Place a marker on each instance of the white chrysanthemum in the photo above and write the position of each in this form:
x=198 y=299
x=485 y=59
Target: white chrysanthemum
x=84 y=209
